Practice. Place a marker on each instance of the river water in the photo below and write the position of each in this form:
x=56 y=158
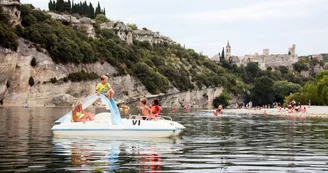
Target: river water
x=209 y=144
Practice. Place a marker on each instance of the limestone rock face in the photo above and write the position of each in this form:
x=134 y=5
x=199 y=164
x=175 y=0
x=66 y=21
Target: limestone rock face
x=64 y=18
x=12 y=8
x=85 y=24
x=8 y=61
x=152 y=37
x=16 y=68
x=64 y=100
x=197 y=98
x=121 y=30
x=124 y=32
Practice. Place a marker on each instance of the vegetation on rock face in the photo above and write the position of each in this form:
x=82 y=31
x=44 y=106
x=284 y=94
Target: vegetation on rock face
x=223 y=99
x=325 y=57
x=8 y=38
x=82 y=8
x=100 y=18
x=132 y=26
x=81 y=76
x=316 y=91
x=159 y=67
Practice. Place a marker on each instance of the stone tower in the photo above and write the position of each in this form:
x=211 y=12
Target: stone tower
x=292 y=50
x=228 y=51
x=266 y=51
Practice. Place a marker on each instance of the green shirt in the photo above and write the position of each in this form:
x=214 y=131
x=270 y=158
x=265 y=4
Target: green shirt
x=103 y=88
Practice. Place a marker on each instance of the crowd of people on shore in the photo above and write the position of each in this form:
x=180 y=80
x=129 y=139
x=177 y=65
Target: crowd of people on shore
x=292 y=108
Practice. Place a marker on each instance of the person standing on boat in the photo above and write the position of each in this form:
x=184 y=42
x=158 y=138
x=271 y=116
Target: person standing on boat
x=104 y=88
x=79 y=115
x=145 y=110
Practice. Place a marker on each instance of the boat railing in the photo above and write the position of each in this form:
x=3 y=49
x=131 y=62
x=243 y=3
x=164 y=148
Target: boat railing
x=135 y=116
x=166 y=118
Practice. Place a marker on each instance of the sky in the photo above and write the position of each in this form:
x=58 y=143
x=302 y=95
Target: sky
x=207 y=25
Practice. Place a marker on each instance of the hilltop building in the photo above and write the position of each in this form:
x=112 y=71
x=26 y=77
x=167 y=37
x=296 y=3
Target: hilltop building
x=228 y=51
x=265 y=59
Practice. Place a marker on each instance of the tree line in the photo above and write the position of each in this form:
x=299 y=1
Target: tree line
x=82 y=8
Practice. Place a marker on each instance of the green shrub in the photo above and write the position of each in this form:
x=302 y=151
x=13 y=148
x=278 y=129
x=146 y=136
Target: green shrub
x=82 y=76
x=31 y=81
x=223 y=99
x=8 y=38
x=132 y=26
x=101 y=18
x=298 y=66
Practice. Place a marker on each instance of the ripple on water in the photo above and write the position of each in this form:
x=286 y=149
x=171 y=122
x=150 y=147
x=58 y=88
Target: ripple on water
x=210 y=144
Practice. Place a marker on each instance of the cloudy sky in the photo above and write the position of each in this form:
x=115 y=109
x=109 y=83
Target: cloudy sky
x=207 y=25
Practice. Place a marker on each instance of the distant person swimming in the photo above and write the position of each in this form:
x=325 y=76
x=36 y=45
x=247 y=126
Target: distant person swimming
x=219 y=110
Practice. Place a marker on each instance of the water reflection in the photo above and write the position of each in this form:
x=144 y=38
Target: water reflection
x=210 y=144
x=107 y=155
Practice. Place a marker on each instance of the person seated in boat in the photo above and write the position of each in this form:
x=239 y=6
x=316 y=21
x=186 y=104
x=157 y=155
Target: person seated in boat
x=155 y=109
x=219 y=110
x=104 y=88
x=145 y=110
x=79 y=115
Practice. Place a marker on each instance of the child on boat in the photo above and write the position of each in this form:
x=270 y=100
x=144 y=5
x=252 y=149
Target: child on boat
x=104 y=88
x=155 y=109
x=144 y=109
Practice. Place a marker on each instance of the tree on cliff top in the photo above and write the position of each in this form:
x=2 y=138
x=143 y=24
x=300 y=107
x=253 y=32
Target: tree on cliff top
x=81 y=8
x=222 y=58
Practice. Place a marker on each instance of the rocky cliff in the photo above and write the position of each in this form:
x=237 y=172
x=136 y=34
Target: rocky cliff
x=16 y=70
x=124 y=32
x=196 y=98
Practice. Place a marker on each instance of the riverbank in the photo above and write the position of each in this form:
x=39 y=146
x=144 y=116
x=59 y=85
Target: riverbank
x=313 y=111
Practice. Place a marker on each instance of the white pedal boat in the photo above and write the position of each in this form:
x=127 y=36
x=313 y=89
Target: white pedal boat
x=110 y=124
